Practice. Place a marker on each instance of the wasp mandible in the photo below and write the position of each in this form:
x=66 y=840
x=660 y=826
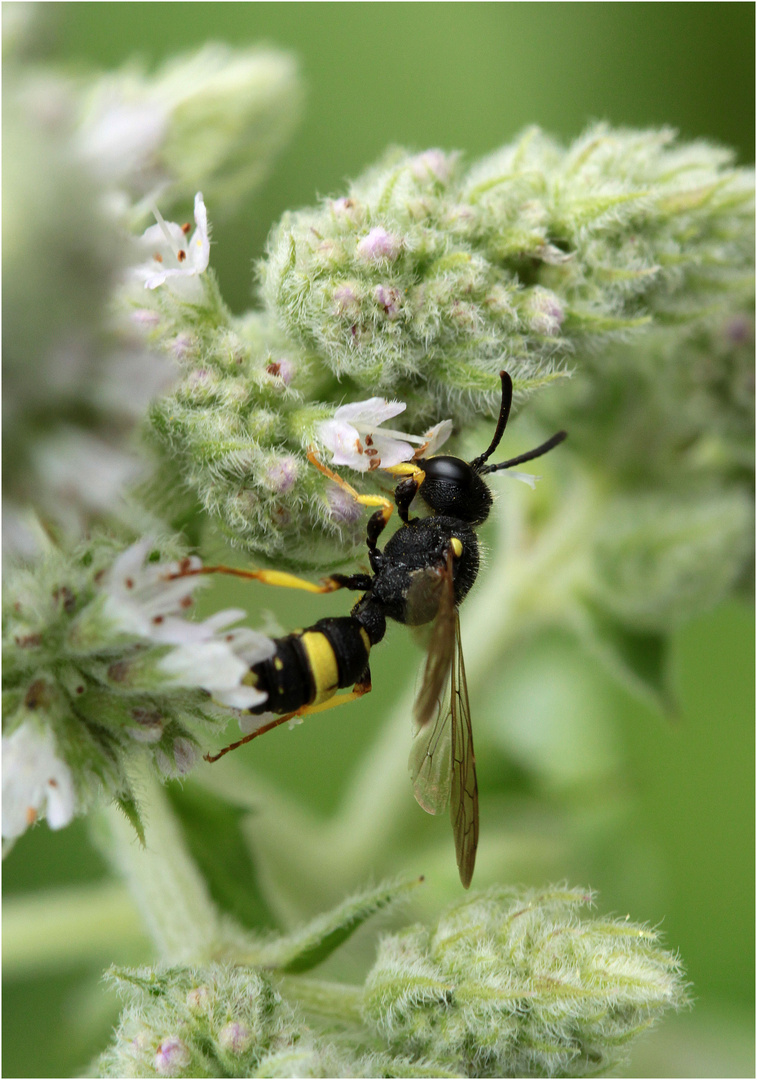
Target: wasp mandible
x=421 y=575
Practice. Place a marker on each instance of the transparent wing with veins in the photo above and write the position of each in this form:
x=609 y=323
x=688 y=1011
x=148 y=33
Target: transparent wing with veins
x=442 y=762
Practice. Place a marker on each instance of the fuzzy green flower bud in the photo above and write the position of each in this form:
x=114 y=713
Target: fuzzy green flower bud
x=218 y=1020
x=516 y=984
x=425 y=275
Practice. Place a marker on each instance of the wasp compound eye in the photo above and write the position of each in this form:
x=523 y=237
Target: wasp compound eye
x=451 y=486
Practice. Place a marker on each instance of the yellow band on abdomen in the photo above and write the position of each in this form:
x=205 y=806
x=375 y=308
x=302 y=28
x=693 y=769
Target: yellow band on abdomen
x=323 y=665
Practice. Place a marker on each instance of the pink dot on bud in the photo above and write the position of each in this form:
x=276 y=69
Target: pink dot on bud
x=281 y=475
x=431 y=165
x=346 y=299
x=389 y=299
x=182 y=345
x=342 y=507
x=172 y=1056
x=145 y=317
x=235 y=1037
x=281 y=369
x=379 y=244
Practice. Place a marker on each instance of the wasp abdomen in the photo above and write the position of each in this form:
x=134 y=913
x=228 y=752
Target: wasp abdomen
x=309 y=666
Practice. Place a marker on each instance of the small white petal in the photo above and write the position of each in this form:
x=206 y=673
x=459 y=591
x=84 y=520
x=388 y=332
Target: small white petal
x=436 y=437
x=171 y=255
x=207 y=664
x=390 y=451
x=241 y=697
x=369 y=413
x=36 y=782
x=254 y=721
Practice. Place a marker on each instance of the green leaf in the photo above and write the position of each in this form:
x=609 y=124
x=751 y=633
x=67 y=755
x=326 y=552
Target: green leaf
x=128 y=806
x=212 y=830
x=314 y=942
x=640 y=658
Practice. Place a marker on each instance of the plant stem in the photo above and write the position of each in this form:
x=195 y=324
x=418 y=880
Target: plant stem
x=171 y=894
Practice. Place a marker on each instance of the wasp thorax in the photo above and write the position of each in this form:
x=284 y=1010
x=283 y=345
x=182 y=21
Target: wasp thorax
x=451 y=486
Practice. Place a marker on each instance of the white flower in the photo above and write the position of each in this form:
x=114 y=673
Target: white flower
x=142 y=600
x=171 y=254
x=36 y=783
x=147 y=600
x=353 y=439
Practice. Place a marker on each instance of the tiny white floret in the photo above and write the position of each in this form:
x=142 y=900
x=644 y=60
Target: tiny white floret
x=172 y=255
x=354 y=438
x=36 y=782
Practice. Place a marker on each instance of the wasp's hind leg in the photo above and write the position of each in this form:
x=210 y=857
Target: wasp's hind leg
x=360 y=689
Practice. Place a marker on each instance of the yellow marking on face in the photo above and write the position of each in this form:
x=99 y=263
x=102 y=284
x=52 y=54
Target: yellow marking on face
x=250 y=679
x=323 y=665
x=457 y=547
x=278 y=663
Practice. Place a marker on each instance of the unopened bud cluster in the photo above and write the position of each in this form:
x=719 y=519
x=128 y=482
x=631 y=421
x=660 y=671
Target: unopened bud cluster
x=212 y=119
x=667 y=431
x=430 y=275
x=212 y=1021
x=509 y=983
x=237 y=429
x=517 y=984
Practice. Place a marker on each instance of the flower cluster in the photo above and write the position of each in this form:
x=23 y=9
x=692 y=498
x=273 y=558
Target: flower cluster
x=430 y=275
x=101 y=665
x=88 y=159
x=238 y=427
x=214 y=118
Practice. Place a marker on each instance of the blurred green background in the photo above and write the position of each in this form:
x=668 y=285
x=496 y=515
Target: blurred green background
x=680 y=850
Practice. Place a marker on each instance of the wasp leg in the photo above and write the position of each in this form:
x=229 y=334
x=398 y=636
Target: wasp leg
x=406 y=489
x=274 y=577
x=359 y=690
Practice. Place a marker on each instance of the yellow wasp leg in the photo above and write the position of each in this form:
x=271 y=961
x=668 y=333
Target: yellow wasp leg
x=359 y=690
x=268 y=577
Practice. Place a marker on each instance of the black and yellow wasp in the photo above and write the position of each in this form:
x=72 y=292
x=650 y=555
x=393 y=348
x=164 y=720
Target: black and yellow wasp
x=422 y=575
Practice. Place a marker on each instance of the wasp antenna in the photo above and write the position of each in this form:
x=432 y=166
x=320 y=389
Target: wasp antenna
x=550 y=444
x=504 y=414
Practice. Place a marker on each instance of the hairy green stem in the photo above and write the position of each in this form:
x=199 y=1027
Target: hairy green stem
x=169 y=890
x=337 y=1000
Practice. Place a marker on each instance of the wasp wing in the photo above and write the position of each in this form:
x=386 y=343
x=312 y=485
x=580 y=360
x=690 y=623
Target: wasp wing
x=431 y=754
x=463 y=806
x=441 y=646
x=431 y=764
x=442 y=761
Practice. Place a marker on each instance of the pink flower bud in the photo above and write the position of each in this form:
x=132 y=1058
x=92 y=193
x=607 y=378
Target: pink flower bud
x=235 y=1037
x=172 y=1056
x=379 y=244
x=389 y=299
